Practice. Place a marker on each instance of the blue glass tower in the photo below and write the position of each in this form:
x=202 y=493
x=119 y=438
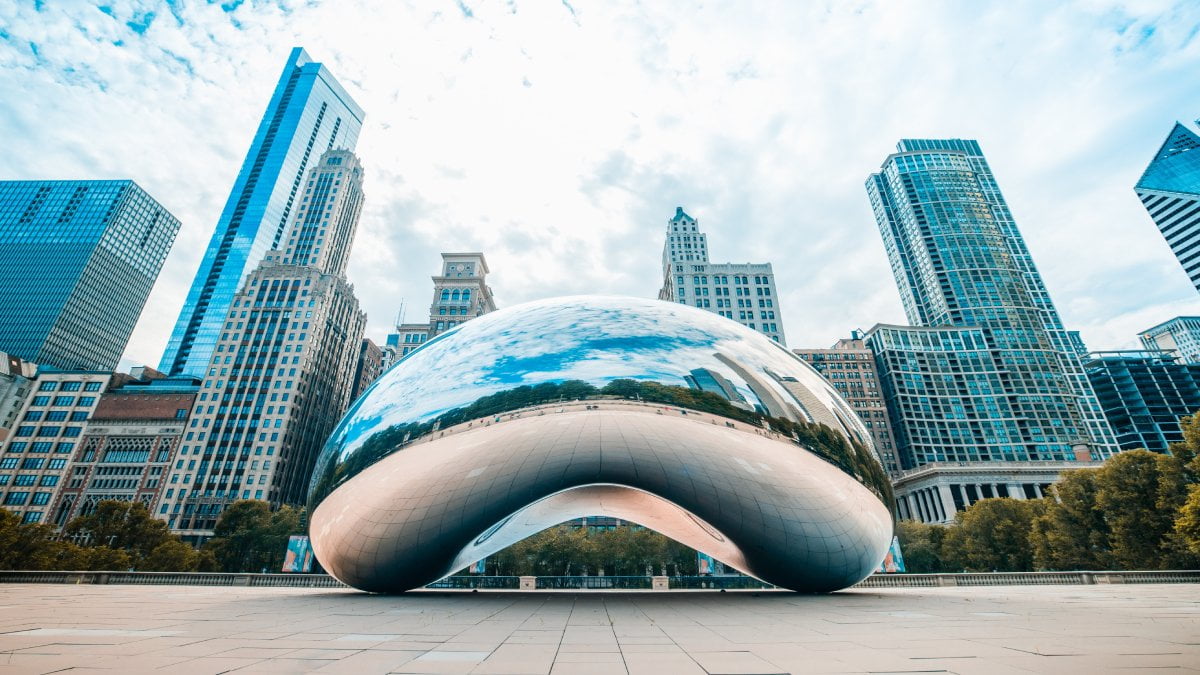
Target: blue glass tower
x=1170 y=191
x=988 y=373
x=79 y=259
x=309 y=113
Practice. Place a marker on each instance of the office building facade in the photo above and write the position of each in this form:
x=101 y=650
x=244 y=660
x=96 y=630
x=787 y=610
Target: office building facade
x=1170 y=192
x=126 y=447
x=1180 y=336
x=283 y=367
x=80 y=258
x=743 y=292
x=308 y=114
x=35 y=457
x=368 y=368
x=1144 y=394
x=850 y=367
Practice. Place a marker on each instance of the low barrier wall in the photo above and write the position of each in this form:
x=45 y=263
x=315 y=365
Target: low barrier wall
x=605 y=583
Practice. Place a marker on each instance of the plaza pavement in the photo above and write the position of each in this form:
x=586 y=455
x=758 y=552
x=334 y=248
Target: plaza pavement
x=1007 y=629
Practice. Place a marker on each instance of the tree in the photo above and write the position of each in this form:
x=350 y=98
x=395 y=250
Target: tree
x=1139 y=494
x=171 y=556
x=1187 y=525
x=1072 y=533
x=249 y=537
x=921 y=545
x=120 y=526
x=32 y=546
x=992 y=535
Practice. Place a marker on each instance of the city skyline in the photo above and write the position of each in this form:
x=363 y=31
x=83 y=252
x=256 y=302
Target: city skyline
x=568 y=216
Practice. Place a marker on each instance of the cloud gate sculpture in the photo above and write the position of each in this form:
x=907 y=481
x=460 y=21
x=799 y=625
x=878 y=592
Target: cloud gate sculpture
x=653 y=412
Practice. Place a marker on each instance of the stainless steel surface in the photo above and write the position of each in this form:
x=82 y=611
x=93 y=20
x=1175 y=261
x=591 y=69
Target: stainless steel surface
x=653 y=412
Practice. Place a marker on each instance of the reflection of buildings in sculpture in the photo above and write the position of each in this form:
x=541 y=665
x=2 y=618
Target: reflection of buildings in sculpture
x=769 y=401
x=706 y=379
x=850 y=367
x=427 y=475
x=460 y=293
x=282 y=371
x=16 y=379
x=743 y=292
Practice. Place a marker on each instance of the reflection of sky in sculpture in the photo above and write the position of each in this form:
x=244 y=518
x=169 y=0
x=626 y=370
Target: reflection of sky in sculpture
x=589 y=338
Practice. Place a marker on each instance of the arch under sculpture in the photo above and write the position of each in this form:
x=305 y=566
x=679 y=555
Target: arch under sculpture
x=653 y=412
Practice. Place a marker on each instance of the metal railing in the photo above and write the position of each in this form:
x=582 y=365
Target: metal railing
x=464 y=582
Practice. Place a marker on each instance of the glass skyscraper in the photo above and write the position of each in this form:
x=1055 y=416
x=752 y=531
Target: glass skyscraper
x=1170 y=191
x=987 y=372
x=80 y=257
x=309 y=113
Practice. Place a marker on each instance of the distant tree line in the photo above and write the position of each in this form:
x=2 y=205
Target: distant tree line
x=248 y=537
x=563 y=550
x=1141 y=510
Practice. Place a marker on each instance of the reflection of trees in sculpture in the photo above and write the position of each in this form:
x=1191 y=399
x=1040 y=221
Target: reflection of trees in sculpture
x=849 y=455
x=567 y=550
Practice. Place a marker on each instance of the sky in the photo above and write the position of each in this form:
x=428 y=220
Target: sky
x=558 y=137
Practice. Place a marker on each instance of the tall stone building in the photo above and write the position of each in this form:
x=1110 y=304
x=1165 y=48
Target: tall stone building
x=986 y=375
x=744 y=292
x=308 y=113
x=127 y=445
x=16 y=380
x=283 y=366
x=460 y=293
x=368 y=368
x=850 y=367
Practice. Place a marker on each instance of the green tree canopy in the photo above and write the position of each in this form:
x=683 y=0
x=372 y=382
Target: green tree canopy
x=1072 y=532
x=992 y=535
x=249 y=537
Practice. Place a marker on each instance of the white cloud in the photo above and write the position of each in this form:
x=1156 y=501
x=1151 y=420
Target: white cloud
x=558 y=139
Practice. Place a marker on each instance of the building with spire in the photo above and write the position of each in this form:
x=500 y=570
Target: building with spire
x=744 y=292
x=1170 y=191
x=283 y=366
x=308 y=114
x=986 y=377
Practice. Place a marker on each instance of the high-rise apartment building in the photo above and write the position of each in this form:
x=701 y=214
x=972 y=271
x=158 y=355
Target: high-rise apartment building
x=1180 y=336
x=34 y=459
x=80 y=258
x=850 y=367
x=1144 y=394
x=742 y=292
x=987 y=373
x=127 y=445
x=283 y=366
x=308 y=114
x=1170 y=191
x=460 y=293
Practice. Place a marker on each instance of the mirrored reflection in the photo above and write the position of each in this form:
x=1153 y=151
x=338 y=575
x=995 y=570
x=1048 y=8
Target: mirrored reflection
x=593 y=353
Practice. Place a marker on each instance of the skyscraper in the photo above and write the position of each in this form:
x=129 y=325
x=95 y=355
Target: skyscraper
x=283 y=366
x=80 y=257
x=987 y=373
x=744 y=292
x=308 y=114
x=1170 y=191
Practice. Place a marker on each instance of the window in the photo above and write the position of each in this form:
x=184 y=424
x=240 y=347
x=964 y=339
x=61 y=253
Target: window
x=49 y=481
x=41 y=499
x=56 y=416
x=16 y=499
x=71 y=386
x=25 y=479
x=40 y=401
x=24 y=430
x=8 y=463
x=92 y=386
x=87 y=401
x=64 y=400
x=48 y=386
